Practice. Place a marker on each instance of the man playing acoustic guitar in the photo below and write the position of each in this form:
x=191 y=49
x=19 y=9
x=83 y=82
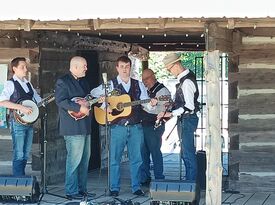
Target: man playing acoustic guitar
x=126 y=130
x=17 y=89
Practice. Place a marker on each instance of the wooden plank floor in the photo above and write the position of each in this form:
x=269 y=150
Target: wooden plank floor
x=97 y=183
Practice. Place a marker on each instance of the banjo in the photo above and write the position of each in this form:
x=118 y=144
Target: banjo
x=26 y=119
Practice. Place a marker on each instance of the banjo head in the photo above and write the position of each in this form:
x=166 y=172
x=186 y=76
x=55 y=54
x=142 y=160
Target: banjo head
x=31 y=118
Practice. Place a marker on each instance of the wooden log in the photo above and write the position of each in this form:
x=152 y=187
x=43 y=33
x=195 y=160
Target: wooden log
x=7 y=54
x=252 y=125
x=257 y=57
x=257 y=40
x=213 y=139
x=254 y=79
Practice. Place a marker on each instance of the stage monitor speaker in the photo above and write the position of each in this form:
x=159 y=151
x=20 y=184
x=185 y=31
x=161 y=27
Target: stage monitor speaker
x=201 y=177
x=175 y=190
x=25 y=188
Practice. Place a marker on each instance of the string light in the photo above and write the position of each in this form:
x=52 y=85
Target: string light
x=146 y=28
x=77 y=34
x=99 y=34
x=8 y=37
x=165 y=45
x=149 y=47
x=69 y=29
x=202 y=35
x=120 y=35
x=198 y=45
x=186 y=35
x=181 y=44
x=164 y=34
x=142 y=36
x=255 y=26
x=27 y=42
x=16 y=39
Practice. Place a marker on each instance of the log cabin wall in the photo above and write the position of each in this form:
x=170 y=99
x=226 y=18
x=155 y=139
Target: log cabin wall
x=252 y=93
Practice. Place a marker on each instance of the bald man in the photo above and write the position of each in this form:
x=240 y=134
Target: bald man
x=77 y=133
x=152 y=135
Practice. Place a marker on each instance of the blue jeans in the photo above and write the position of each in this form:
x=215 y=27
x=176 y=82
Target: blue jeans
x=132 y=136
x=188 y=127
x=22 y=136
x=77 y=162
x=152 y=145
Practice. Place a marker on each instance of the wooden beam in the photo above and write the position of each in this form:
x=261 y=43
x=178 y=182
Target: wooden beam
x=231 y=23
x=213 y=139
x=28 y=24
x=249 y=40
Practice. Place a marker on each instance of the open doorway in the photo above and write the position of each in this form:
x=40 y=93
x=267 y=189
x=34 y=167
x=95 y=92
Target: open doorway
x=92 y=77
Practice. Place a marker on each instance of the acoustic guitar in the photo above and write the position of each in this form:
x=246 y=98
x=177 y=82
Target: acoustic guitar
x=27 y=119
x=121 y=106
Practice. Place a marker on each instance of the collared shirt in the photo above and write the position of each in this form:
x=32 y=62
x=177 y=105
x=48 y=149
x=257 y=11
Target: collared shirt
x=99 y=91
x=160 y=106
x=188 y=90
x=9 y=89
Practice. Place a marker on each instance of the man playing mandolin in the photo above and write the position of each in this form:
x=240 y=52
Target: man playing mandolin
x=15 y=90
x=77 y=133
x=126 y=130
x=152 y=131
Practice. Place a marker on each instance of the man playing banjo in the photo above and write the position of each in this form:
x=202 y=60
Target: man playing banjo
x=15 y=90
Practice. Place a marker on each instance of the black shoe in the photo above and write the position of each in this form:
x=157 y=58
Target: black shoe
x=146 y=183
x=85 y=193
x=74 y=196
x=139 y=192
x=114 y=193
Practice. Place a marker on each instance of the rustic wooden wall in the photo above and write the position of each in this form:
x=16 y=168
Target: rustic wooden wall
x=252 y=134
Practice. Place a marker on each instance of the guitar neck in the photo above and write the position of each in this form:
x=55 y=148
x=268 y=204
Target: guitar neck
x=137 y=102
x=93 y=101
x=46 y=101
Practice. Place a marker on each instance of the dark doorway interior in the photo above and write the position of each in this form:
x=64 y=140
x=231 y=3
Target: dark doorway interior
x=92 y=77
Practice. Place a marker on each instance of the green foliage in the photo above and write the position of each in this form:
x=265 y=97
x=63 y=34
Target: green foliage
x=190 y=60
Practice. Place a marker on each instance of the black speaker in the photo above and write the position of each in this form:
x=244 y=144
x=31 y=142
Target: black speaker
x=25 y=189
x=175 y=191
x=201 y=177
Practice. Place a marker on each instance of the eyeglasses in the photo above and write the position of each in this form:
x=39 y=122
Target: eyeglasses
x=169 y=68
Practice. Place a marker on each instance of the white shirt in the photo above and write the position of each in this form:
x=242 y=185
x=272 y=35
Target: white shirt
x=99 y=91
x=160 y=106
x=188 y=90
x=9 y=89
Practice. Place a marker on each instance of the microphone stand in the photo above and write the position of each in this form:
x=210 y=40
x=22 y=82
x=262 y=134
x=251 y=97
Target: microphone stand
x=106 y=86
x=43 y=155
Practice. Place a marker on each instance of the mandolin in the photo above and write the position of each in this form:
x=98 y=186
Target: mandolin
x=80 y=100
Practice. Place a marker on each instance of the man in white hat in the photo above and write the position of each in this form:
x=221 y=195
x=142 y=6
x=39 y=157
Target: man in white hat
x=186 y=107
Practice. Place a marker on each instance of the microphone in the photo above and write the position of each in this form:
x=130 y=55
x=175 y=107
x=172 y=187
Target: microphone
x=104 y=78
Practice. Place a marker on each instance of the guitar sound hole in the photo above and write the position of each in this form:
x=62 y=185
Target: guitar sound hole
x=120 y=107
x=116 y=112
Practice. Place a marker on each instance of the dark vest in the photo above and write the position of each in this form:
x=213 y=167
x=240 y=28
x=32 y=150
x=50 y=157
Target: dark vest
x=179 y=97
x=134 y=94
x=149 y=118
x=19 y=93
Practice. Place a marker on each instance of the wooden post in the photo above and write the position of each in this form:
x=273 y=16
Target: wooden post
x=213 y=138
